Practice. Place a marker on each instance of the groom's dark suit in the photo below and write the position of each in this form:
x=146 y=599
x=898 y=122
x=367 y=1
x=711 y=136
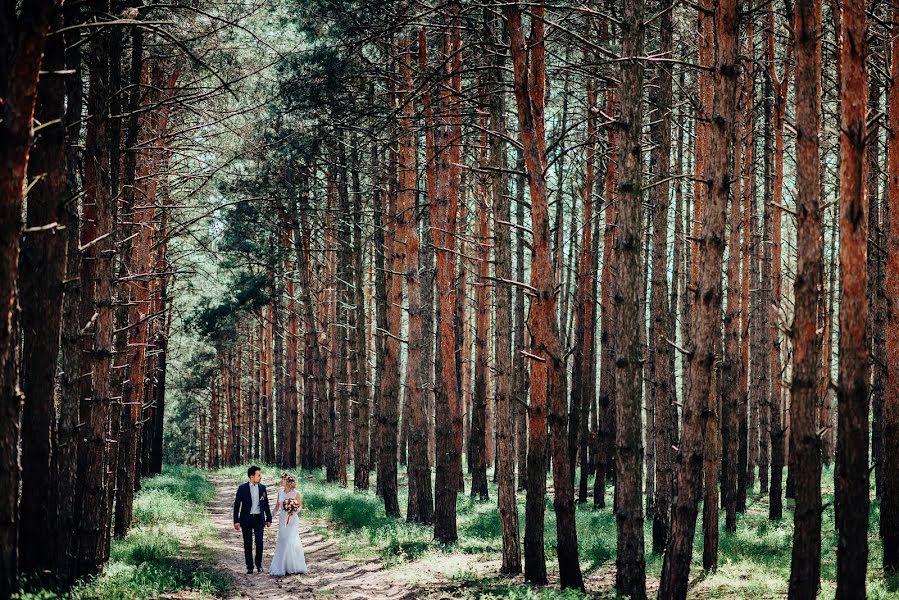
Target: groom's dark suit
x=251 y=525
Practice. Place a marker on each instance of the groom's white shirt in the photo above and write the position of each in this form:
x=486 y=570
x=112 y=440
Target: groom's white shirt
x=254 y=496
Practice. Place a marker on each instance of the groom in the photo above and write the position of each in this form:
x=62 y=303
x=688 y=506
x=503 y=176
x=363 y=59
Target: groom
x=251 y=511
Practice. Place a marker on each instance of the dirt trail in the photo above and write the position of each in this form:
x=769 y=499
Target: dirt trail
x=330 y=576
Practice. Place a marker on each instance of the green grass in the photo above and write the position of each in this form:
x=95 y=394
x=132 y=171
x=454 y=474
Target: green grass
x=165 y=551
x=753 y=562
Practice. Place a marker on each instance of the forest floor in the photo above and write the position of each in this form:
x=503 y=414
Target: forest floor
x=349 y=528
x=329 y=576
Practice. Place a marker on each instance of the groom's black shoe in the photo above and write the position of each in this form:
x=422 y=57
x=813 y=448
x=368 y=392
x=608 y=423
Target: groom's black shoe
x=249 y=571
x=259 y=569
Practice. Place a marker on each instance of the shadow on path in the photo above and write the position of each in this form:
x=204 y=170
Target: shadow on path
x=330 y=576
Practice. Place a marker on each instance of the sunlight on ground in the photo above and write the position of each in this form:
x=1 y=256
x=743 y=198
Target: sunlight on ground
x=754 y=562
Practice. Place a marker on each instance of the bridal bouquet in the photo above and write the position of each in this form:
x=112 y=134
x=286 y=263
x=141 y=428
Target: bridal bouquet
x=291 y=506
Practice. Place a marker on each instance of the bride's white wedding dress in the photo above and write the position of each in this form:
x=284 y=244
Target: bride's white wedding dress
x=289 y=557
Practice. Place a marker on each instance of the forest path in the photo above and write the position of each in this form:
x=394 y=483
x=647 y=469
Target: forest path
x=330 y=576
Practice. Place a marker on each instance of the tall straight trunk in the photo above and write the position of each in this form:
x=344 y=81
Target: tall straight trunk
x=775 y=320
x=548 y=376
x=213 y=427
x=380 y=294
x=19 y=89
x=534 y=557
x=582 y=382
x=291 y=342
x=630 y=561
x=252 y=394
x=706 y=305
x=65 y=442
x=269 y=396
x=388 y=416
x=360 y=355
x=140 y=199
x=748 y=446
x=312 y=386
x=505 y=424
x=461 y=322
x=660 y=323
x=678 y=268
x=607 y=332
x=889 y=500
x=478 y=429
x=444 y=205
x=731 y=368
x=420 y=501
x=343 y=297
x=805 y=569
x=851 y=478
x=91 y=499
x=42 y=266
x=520 y=378
x=762 y=364
x=162 y=326
x=875 y=327
x=328 y=306
x=427 y=251
x=262 y=330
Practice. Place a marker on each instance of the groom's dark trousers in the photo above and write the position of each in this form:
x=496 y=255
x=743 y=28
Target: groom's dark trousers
x=252 y=526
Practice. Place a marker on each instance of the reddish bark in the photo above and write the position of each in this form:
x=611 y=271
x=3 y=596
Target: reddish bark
x=420 y=501
x=665 y=413
x=706 y=307
x=630 y=579
x=582 y=382
x=889 y=501
x=444 y=205
x=19 y=91
x=42 y=267
x=851 y=477
x=548 y=376
x=805 y=571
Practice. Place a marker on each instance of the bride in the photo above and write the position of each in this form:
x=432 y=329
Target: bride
x=289 y=557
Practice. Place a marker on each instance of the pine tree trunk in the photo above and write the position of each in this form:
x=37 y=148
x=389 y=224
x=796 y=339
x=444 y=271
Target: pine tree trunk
x=505 y=410
x=582 y=385
x=444 y=206
x=660 y=323
x=607 y=331
x=360 y=356
x=851 y=477
x=775 y=320
x=291 y=344
x=889 y=502
x=731 y=368
x=630 y=577
x=427 y=267
x=138 y=165
x=748 y=445
x=91 y=498
x=520 y=379
x=805 y=569
x=64 y=467
x=42 y=266
x=548 y=376
x=478 y=429
x=420 y=501
x=19 y=83
x=875 y=285
x=706 y=306
x=344 y=301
